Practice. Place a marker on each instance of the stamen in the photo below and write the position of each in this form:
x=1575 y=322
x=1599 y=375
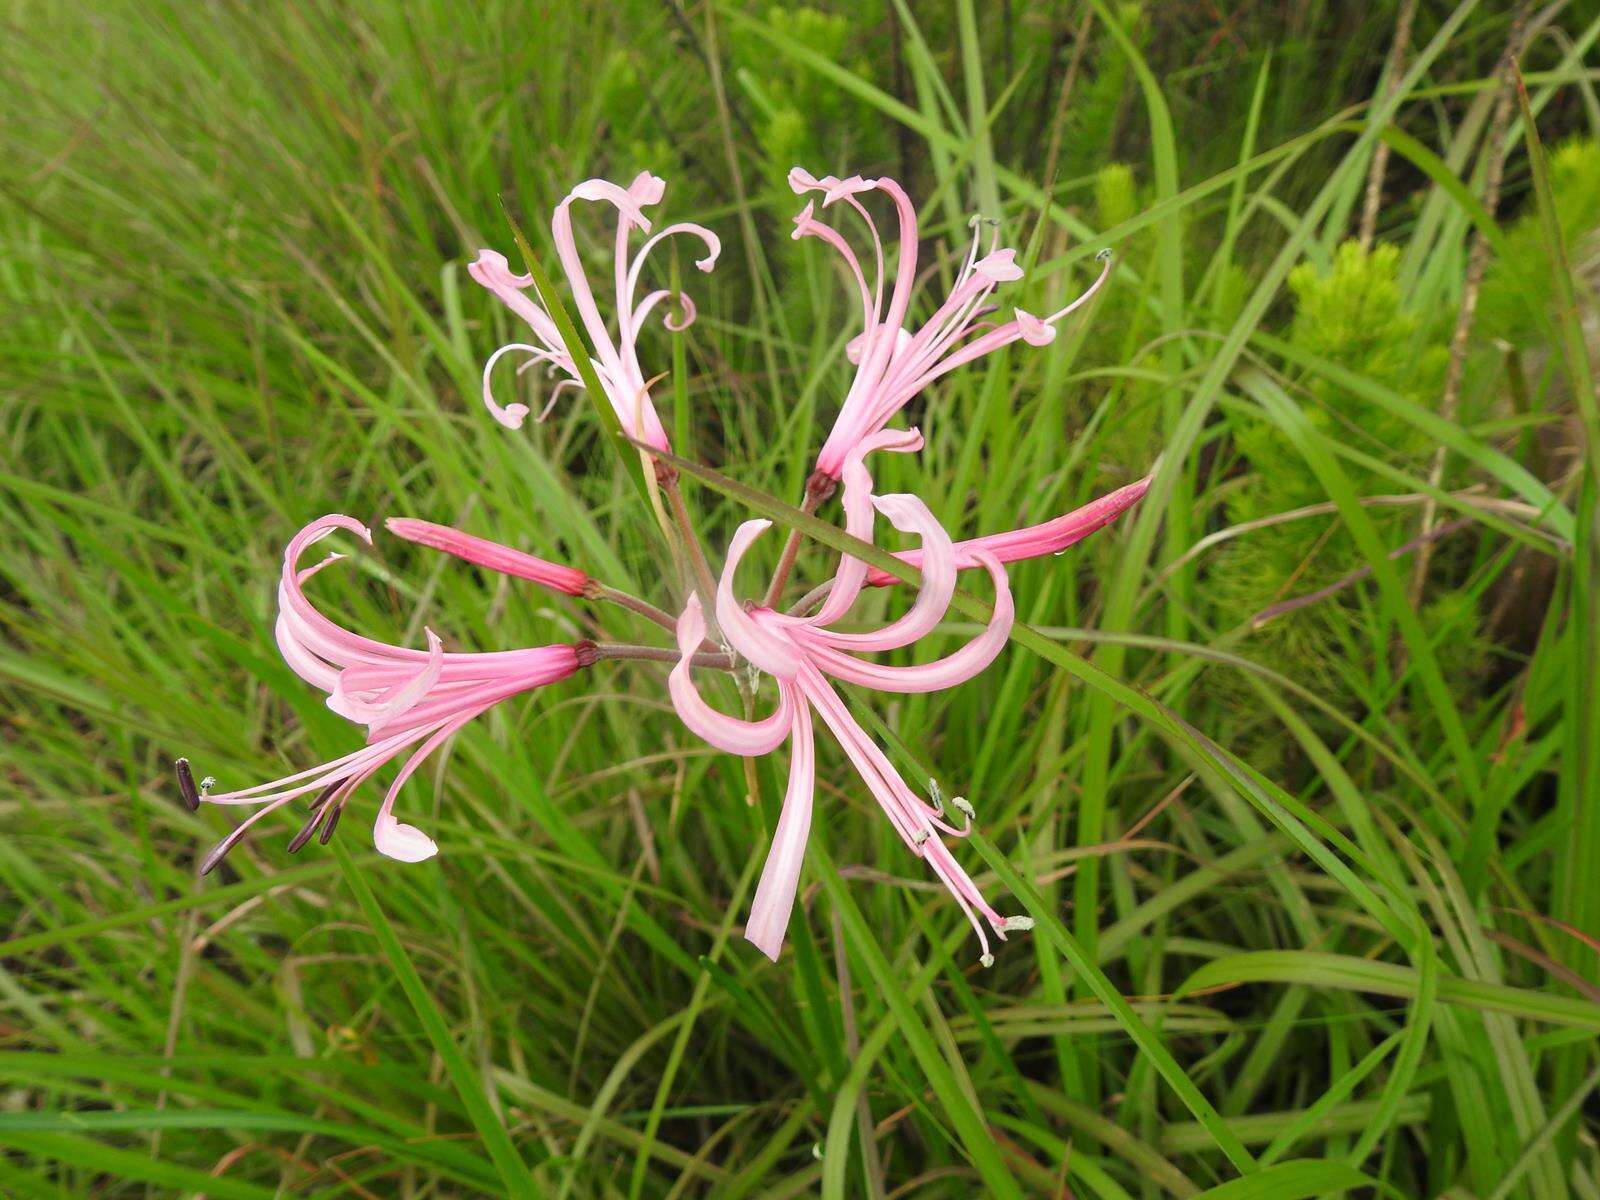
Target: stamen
x=298 y=841
x=216 y=854
x=321 y=797
x=186 y=788
x=333 y=823
x=1017 y=924
x=959 y=803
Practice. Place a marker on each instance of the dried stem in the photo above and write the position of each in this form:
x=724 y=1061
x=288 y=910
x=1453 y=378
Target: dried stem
x=1421 y=540
x=1477 y=266
x=1380 y=153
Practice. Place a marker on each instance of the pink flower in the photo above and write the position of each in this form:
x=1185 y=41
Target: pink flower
x=616 y=359
x=406 y=698
x=893 y=364
x=1052 y=537
x=803 y=655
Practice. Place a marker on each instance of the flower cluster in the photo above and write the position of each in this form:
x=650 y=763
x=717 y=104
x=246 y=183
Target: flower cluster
x=412 y=700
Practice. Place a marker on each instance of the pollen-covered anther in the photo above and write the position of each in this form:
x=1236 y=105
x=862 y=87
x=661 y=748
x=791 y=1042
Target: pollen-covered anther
x=960 y=804
x=986 y=959
x=1017 y=924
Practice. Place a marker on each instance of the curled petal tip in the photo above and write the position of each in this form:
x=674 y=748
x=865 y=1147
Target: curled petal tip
x=801 y=181
x=1000 y=266
x=1034 y=331
x=647 y=188
x=511 y=416
x=405 y=843
x=768 y=943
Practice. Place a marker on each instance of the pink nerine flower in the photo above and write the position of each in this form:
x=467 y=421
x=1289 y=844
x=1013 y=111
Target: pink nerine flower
x=406 y=698
x=1052 y=537
x=802 y=654
x=893 y=364
x=616 y=359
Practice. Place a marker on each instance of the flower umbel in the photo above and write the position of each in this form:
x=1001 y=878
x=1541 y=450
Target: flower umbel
x=412 y=700
x=409 y=700
x=893 y=364
x=802 y=654
x=616 y=358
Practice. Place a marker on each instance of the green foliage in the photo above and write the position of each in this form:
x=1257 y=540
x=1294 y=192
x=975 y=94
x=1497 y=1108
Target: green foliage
x=1517 y=291
x=1351 y=313
x=1312 y=937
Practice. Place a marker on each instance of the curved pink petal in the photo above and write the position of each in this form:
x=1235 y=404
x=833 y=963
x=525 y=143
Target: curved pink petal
x=768 y=651
x=910 y=515
x=905 y=810
x=492 y=271
x=942 y=673
x=780 y=876
x=736 y=736
x=628 y=201
x=374 y=708
x=1050 y=537
x=407 y=843
x=999 y=266
x=858 y=510
x=511 y=415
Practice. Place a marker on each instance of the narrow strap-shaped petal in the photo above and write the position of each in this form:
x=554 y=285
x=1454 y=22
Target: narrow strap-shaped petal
x=769 y=651
x=1049 y=537
x=780 y=876
x=572 y=263
x=314 y=670
x=704 y=264
x=1037 y=330
x=910 y=515
x=939 y=674
x=484 y=553
x=510 y=415
x=905 y=810
x=492 y=271
x=733 y=734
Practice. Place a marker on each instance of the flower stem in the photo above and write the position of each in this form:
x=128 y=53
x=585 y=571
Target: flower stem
x=704 y=583
x=818 y=489
x=621 y=652
x=634 y=604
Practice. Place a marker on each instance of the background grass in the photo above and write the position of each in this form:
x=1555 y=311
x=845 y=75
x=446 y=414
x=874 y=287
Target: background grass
x=1311 y=832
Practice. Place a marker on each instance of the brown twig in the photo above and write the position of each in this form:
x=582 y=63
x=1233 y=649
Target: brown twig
x=1273 y=611
x=1477 y=266
x=1380 y=153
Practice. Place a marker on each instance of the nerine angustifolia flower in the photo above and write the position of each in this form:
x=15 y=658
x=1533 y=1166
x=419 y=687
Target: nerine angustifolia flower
x=412 y=700
x=615 y=352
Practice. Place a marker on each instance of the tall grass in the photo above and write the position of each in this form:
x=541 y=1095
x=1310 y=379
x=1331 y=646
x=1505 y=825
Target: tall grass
x=1310 y=836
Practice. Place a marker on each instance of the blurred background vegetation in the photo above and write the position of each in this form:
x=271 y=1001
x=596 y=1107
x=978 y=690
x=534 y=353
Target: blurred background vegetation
x=1324 y=878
